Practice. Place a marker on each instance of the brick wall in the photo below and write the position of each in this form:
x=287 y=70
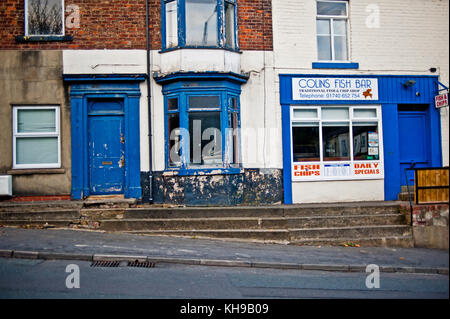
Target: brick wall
x=120 y=24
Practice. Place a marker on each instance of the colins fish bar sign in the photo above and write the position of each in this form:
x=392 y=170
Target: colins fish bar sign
x=365 y=89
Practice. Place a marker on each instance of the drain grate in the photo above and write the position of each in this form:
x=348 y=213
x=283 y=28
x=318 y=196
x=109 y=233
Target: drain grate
x=141 y=264
x=115 y=263
x=102 y=263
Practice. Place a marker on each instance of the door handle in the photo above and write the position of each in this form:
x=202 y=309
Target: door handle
x=122 y=161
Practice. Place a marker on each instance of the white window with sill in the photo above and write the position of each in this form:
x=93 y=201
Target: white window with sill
x=36 y=137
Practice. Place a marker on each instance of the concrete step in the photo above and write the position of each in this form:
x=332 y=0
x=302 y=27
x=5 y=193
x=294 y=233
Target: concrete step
x=351 y=232
x=276 y=235
x=388 y=237
x=53 y=214
x=388 y=241
x=249 y=222
x=49 y=223
x=39 y=206
x=256 y=212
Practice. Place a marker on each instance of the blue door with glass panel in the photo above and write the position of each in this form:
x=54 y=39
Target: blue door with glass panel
x=413 y=138
x=106 y=147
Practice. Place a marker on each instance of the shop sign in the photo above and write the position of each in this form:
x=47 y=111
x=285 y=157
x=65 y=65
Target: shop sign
x=365 y=89
x=441 y=100
x=337 y=171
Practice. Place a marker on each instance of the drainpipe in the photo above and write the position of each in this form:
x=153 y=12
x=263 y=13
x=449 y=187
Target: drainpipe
x=150 y=182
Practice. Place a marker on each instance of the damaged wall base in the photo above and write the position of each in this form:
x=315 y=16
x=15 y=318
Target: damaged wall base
x=252 y=187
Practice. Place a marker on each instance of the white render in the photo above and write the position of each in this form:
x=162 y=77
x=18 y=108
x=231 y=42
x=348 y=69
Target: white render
x=338 y=191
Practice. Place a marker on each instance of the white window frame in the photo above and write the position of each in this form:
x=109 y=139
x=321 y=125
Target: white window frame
x=63 y=31
x=331 y=18
x=351 y=120
x=16 y=134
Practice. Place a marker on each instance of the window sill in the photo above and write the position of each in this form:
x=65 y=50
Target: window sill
x=200 y=47
x=43 y=38
x=335 y=65
x=202 y=171
x=36 y=171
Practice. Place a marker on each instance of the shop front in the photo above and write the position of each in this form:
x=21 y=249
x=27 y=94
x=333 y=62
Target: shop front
x=353 y=138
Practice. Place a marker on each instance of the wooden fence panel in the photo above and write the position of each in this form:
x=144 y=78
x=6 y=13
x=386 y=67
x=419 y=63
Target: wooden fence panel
x=432 y=185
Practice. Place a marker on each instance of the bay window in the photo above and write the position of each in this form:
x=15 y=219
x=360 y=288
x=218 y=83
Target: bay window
x=202 y=129
x=199 y=24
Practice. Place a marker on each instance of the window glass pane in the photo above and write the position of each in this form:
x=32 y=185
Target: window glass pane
x=174 y=140
x=233 y=103
x=335 y=113
x=171 y=24
x=201 y=22
x=323 y=27
x=340 y=27
x=233 y=137
x=36 y=121
x=336 y=145
x=365 y=142
x=229 y=25
x=340 y=48
x=305 y=114
x=305 y=141
x=44 y=17
x=364 y=113
x=205 y=138
x=331 y=8
x=324 y=48
x=172 y=104
x=37 y=150
x=200 y=102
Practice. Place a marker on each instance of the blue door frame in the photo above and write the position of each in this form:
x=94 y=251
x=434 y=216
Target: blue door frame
x=83 y=89
x=392 y=92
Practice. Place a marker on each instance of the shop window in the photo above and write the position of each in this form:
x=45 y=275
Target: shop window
x=44 y=18
x=199 y=24
x=333 y=136
x=203 y=130
x=36 y=137
x=332 y=30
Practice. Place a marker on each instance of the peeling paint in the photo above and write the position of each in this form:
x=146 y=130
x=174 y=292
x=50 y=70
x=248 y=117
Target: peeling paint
x=251 y=187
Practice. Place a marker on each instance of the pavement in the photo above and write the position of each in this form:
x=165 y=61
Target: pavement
x=65 y=244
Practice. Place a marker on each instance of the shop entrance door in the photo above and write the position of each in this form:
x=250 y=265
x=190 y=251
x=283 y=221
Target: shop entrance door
x=413 y=140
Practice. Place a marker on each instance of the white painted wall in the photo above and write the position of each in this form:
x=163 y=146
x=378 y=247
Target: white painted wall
x=338 y=191
x=412 y=36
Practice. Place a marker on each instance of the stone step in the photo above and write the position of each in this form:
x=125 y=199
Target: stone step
x=39 y=206
x=388 y=241
x=256 y=212
x=365 y=235
x=351 y=232
x=53 y=214
x=58 y=223
x=250 y=223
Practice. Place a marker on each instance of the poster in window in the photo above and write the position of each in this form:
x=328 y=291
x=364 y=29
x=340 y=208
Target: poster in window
x=373 y=139
x=364 y=142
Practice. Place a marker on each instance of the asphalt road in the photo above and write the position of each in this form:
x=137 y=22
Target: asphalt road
x=21 y=278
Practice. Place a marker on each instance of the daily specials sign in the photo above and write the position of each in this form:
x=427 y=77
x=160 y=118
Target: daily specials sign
x=335 y=171
x=365 y=89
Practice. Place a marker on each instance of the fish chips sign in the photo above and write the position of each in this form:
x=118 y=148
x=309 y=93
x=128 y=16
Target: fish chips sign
x=365 y=89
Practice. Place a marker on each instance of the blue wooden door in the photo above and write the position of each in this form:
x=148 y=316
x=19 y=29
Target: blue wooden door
x=413 y=143
x=106 y=148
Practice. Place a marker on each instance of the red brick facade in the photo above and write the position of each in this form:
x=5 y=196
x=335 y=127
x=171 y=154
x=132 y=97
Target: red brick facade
x=120 y=24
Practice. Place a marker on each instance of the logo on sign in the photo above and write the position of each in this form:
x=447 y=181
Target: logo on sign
x=441 y=100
